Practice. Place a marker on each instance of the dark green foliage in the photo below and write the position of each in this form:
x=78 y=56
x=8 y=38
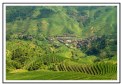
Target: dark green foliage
x=18 y=12
x=45 y=12
x=103 y=46
x=19 y=55
x=92 y=45
x=52 y=58
x=34 y=66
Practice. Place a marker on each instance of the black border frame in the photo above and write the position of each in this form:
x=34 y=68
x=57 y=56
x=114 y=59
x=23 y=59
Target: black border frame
x=57 y=3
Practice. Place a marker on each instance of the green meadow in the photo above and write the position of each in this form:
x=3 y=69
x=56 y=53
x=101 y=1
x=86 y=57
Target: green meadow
x=52 y=75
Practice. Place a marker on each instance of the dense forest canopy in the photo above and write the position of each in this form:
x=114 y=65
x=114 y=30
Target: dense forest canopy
x=53 y=37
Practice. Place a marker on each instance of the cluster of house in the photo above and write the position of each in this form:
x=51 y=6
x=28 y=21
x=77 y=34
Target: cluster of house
x=65 y=39
x=72 y=41
x=86 y=41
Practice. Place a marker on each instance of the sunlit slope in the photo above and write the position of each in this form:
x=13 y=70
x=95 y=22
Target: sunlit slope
x=104 y=24
x=48 y=23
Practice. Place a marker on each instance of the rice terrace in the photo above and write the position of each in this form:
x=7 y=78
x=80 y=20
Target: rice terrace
x=61 y=42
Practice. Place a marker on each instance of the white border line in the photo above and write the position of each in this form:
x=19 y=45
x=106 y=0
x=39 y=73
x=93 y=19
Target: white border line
x=118 y=43
x=60 y=4
x=4 y=57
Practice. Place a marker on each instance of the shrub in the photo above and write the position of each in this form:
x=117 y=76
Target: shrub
x=34 y=66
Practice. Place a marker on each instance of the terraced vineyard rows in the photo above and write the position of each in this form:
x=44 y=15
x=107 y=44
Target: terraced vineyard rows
x=96 y=69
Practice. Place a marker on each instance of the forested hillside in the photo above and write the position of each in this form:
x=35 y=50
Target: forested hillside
x=63 y=39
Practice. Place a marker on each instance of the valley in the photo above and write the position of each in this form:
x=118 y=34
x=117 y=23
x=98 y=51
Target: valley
x=61 y=43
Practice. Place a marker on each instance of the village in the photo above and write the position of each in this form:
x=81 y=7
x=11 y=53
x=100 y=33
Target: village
x=71 y=41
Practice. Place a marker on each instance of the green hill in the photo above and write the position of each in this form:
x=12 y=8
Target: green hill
x=51 y=21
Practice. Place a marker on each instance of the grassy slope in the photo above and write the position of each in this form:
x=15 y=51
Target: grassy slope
x=60 y=25
x=105 y=22
x=51 y=75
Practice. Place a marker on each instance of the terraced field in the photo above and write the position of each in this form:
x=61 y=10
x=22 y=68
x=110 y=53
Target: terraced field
x=52 y=75
x=96 y=69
